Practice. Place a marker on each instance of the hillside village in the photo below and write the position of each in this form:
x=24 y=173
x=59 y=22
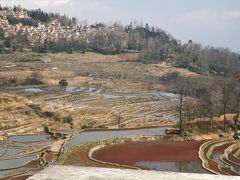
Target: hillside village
x=52 y=31
x=42 y=32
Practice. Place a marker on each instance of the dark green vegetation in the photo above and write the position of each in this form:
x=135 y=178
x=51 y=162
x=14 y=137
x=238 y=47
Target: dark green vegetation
x=25 y=22
x=41 y=16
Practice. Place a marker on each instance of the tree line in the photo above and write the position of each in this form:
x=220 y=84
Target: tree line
x=202 y=101
x=45 y=17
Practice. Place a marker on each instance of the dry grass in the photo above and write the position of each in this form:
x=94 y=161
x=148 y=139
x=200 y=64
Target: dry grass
x=18 y=116
x=113 y=73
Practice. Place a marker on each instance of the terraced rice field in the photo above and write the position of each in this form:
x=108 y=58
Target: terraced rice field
x=25 y=155
x=95 y=108
x=221 y=156
x=92 y=107
x=158 y=156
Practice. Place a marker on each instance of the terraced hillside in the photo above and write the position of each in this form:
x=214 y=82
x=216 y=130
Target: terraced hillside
x=221 y=156
x=19 y=116
x=80 y=107
x=25 y=155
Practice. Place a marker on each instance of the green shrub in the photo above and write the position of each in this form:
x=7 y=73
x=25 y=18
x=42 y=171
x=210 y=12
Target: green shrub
x=85 y=126
x=68 y=119
x=57 y=118
x=63 y=82
x=25 y=22
x=46 y=129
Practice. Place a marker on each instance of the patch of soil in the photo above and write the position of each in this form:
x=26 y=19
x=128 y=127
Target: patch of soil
x=17 y=177
x=79 y=157
x=23 y=177
x=50 y=157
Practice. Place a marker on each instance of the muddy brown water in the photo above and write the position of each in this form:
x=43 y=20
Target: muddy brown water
x=160 y=156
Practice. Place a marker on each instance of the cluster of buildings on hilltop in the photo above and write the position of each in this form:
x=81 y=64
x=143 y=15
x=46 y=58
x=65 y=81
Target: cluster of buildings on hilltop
x=19 y=14
x=52 y=31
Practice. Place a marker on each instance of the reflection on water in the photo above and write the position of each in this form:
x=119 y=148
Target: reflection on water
x=29 y=138
x=14 y=163
x=109 y=95
x=216 y=157
x=98 y=135
x=33 y=90
x=10 y=152
x=11 y=172
x=184 y=167
x=101 y=93
x=72 y=89
x=16 y=153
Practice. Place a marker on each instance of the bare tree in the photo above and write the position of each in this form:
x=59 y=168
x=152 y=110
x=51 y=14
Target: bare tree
x=181 y=86
x=118 y=118
x=236 y=93
x=206 y=108
x=225 y=101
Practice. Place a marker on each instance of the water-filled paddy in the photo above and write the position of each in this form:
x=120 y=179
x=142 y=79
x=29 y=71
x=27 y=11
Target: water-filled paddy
x=91 y=91
x=100 y=135
x=15 y=163
x=10 y=151
x=160 y=156
x=29 y=138
x=33 y=90
x=184 y=167
x=72 y=89
x=93 y=98
x=18 y=151
x=12 y=172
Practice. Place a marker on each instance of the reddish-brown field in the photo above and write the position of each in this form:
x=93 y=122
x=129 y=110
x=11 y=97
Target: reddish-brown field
x=79 y=157
x=130 y=153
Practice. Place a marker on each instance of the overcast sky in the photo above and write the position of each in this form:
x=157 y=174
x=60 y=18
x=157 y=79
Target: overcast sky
x=211 y=22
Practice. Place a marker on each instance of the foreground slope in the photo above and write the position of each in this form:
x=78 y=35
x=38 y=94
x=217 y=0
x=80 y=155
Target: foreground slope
x=68 y=172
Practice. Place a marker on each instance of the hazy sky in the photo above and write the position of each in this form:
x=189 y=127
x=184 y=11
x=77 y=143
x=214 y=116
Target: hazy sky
x=211 y=22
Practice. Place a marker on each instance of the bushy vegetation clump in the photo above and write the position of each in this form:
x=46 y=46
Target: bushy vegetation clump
x=25 y=22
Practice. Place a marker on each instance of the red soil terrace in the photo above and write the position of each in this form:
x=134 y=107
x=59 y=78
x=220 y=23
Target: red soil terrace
x=130 y=153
